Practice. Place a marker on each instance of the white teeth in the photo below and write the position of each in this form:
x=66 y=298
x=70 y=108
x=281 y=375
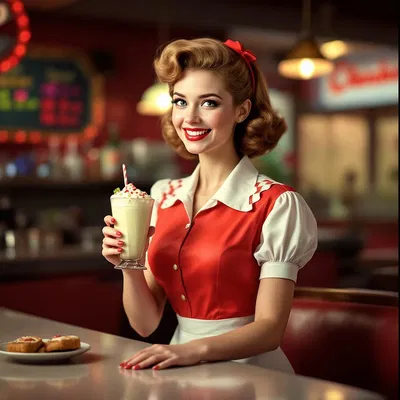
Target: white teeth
x=197 y=133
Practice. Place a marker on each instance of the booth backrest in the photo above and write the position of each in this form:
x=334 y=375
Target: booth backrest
x=346 y=342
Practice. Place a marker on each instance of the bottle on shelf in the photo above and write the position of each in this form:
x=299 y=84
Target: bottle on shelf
x=110 y=157
x=43 y=167
x=7 y=219
x=73 y=162
x=56 y=167
x=91 y=160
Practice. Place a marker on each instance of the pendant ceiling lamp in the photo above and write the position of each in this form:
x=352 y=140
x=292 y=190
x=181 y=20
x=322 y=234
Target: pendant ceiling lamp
x=305 y=60
x=156 y=100
x=334 y=48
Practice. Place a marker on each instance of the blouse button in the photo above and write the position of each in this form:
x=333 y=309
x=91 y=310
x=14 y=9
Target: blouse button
x=175 y=267
x=183 y=297
x=187 y=226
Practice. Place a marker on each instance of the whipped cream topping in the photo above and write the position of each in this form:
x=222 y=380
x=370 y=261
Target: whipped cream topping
x=130 y=191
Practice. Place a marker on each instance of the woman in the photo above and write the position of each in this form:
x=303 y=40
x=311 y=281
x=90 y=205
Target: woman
x=228 y=241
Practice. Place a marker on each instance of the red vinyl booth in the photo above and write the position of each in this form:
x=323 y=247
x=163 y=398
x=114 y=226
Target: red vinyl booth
x=332 y=337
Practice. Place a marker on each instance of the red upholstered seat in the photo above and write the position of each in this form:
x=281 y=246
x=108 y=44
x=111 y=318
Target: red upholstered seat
x=345 y=342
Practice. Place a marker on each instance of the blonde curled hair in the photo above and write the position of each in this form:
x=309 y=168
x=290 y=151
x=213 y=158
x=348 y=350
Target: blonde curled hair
x=260 y=131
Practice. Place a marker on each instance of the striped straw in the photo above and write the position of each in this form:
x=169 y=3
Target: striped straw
x=125 y=175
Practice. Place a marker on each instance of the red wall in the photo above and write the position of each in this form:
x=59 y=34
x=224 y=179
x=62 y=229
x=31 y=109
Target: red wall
x=133 y=47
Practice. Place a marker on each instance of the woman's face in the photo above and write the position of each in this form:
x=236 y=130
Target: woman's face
x=203 y=112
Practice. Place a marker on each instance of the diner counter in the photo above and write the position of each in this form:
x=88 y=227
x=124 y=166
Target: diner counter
x=96 y=375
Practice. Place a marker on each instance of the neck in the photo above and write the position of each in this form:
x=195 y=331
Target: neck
x=215 y=169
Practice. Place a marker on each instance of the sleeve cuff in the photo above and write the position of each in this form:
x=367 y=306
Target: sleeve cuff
x=283 y=270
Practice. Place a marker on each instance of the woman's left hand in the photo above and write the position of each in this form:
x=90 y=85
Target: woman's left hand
x=163 y=356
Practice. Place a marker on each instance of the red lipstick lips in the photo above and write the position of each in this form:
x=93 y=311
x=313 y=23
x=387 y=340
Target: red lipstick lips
x=196 y=134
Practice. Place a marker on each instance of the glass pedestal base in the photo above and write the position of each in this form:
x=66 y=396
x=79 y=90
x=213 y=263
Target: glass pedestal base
x=130 y=264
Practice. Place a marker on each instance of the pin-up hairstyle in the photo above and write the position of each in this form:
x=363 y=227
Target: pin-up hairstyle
x=261 y=130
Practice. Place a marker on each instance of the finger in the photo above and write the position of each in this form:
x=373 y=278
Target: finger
x=145 y=353
x=140 y=355
x=133 y=363
x=154 y=359
x=111 y=232
x=109 y=220
x=111 y=252
x=109 y=242
x=166 y=363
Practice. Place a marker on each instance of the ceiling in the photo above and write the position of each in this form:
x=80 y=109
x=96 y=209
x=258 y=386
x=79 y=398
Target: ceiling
x=352 y=19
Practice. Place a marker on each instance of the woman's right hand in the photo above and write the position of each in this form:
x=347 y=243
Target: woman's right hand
x=112 y=242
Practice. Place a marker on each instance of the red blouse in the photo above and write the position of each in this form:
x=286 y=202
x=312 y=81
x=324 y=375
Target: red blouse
x=210 y=265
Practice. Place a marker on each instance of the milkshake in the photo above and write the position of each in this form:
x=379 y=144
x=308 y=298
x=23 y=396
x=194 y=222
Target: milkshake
x=132 y=209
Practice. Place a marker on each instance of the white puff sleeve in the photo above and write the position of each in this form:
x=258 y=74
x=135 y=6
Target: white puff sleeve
x=156 y=192
x=289 y=238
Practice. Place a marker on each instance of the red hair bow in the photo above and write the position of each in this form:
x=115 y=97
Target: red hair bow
x=247 y=55
x=238 y=47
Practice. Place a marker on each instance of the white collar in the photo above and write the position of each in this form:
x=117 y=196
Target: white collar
x=236 y=192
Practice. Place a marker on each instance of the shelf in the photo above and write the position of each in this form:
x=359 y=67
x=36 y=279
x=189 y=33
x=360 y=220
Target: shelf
x=20 y=184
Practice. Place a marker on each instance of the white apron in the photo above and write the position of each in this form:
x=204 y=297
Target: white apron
x=190 y=329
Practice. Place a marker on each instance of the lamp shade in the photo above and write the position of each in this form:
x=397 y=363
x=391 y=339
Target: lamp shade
x=155 y=100
x=305 y=61
x=335 y=49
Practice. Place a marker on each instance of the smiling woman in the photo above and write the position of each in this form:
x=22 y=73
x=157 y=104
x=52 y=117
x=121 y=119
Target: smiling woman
x=235 y=79
x=203 y=113
x=228 y=241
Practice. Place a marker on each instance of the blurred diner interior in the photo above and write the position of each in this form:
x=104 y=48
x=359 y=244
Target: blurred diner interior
x=78 y=98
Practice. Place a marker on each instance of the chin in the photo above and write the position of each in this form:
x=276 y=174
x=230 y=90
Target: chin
x=195 y=150
x=196 y=147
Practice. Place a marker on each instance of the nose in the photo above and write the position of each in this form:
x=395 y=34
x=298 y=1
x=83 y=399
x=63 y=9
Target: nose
x=192 y=115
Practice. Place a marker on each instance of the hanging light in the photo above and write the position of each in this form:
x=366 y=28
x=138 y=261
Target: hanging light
x=305 y=60
x=333 y=48
x=155 y=100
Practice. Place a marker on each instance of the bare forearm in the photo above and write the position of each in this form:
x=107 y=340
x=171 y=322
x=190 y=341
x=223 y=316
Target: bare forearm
x=247 y=341
x=139 y=303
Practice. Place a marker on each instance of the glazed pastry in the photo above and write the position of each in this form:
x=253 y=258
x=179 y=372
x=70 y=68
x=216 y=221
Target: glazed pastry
x=61 y=343
x=25 y=344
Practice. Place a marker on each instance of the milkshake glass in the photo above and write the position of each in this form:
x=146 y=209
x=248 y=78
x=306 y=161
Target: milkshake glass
x=132 y=210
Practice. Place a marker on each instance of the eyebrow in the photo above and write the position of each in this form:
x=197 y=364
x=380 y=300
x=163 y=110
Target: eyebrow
x=201 y=96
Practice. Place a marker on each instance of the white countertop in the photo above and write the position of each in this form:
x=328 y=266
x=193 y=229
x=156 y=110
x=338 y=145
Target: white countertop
x=96 y=375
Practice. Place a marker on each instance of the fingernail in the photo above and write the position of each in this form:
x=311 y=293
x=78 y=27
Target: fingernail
x=119 y=234
x=136 y=367
x=113 y=220
x=120 y=250
x=127 y=366
x=120 y=243
x=156 y=367
x=122 y=364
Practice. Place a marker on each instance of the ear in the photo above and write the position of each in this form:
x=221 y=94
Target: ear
x=243 y=111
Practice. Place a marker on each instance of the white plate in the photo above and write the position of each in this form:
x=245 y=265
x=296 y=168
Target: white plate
x=44 y=357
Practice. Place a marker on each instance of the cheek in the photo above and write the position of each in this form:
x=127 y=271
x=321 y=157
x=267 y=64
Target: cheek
x=222 y=120
x=177 y=120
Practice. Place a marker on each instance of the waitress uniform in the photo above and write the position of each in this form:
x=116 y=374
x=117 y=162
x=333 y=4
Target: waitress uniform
x=210 y=264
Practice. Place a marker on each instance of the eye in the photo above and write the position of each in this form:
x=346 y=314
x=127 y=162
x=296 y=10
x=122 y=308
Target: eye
x=210 y=103
x=179 y=102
